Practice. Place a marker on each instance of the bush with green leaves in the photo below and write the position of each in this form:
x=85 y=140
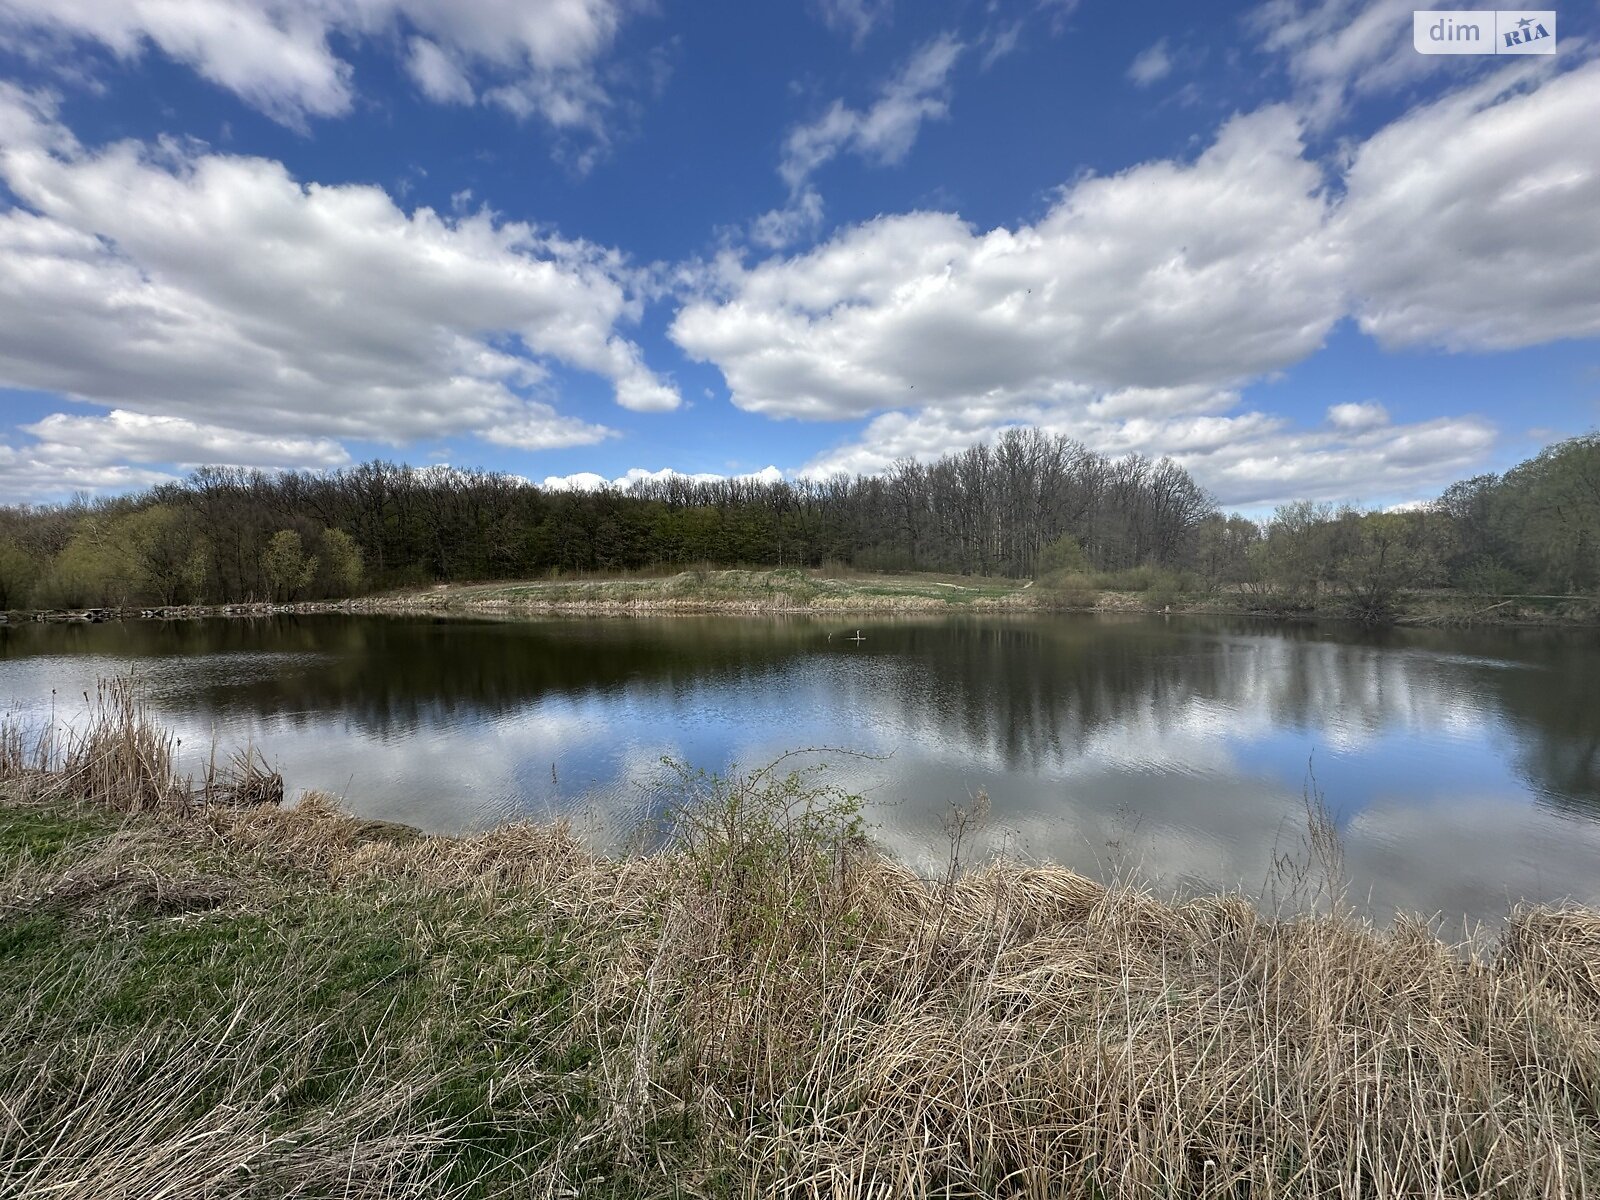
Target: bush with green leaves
x=771 y=846
x=288 y=569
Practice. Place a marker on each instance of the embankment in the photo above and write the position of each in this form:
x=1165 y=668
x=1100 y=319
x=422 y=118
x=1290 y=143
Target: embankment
x=797 y=592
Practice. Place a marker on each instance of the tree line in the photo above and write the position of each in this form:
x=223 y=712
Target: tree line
x=231 y=535
x=1028 y=505
x=1533 y=530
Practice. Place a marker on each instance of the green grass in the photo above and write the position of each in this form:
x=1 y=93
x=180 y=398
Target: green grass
x=28 y=943
x=41 y=834
x=392 y=979
x=844 y=590
x=782 y=589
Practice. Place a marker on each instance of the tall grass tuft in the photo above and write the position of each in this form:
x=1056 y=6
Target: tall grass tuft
x=118 y=758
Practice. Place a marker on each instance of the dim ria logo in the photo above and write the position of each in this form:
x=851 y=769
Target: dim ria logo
x=1484 y=31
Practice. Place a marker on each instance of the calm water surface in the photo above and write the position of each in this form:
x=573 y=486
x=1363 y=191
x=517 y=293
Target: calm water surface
x=1463 y=766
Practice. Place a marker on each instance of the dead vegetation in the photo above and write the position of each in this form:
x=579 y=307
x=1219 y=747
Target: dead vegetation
x=116 y=759
x=764 y=1006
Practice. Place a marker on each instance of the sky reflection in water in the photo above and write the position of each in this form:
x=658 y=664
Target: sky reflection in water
x=1462 y=765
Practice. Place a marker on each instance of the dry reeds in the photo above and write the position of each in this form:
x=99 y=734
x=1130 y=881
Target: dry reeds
x=118 y=759
x=836 y=1025
x=177 y=1110
x=243 y=780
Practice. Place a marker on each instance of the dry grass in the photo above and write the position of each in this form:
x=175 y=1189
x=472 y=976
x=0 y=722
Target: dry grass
x=768 y=1006
x=116 y=758
x=168 y=1109
x=744 y=591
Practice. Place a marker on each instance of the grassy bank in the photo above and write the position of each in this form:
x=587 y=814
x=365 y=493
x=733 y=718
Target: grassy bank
x=845 y=592
x=795 y=591
x=707 y=590
x=208 y=999
x=702 y=590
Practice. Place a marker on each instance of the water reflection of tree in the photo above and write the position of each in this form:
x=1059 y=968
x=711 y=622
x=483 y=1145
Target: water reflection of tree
x=391 y=675
x=1549 y=701
x=1029 y=692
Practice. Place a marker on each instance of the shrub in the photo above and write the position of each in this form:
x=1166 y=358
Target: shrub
x=1062 y=555
x=765 y=847
x=1487 y=576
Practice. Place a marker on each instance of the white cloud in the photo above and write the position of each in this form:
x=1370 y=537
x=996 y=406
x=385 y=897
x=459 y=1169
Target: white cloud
x=579 y=481
x=127 y=435
x=1247 y=459
x=438 y=74
x=279 y=56
x=885 y=132
x=221 y=294
x=784 y=226
x=1354 y=415
x=1338 y=49
x=1151 y=65
x=93 y=452
x=1167 y=275
x=999 y=41
x=26 y=475
x=1474 y=223
x=539 y=427
x=1133 y=311
x=588 y=481
x=271 y=60
x=171 y=283
x=855 y=18
x=1374 y=463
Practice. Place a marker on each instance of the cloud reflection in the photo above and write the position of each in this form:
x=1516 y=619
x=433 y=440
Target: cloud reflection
x=1462 y=764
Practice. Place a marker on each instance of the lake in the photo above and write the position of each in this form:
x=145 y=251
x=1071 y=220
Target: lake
x=1462 y=766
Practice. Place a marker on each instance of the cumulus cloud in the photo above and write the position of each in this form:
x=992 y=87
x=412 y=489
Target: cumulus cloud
x=578 y=481
x=784 y=226
x=1151 y=65
x=1474 y=223
x=1169 y=274
x=1135 y=310
x=885 y=132
x=1246 y=459
x=588 y=481
x=440 y=76
x=279 y=55
x=1357 y=415
x=281 y=65
x=86 y=440
x=167 y=282
x=1373 y=463
x=73 y=451
x=31 y=473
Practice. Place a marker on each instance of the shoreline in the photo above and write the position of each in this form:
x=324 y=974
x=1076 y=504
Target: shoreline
x=301 y=1000
x=796 y=593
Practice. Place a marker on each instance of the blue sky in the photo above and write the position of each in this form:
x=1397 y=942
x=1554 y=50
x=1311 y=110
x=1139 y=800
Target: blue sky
x=578 y=239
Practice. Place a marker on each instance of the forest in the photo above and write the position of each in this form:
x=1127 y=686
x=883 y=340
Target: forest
x=1031 y=505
